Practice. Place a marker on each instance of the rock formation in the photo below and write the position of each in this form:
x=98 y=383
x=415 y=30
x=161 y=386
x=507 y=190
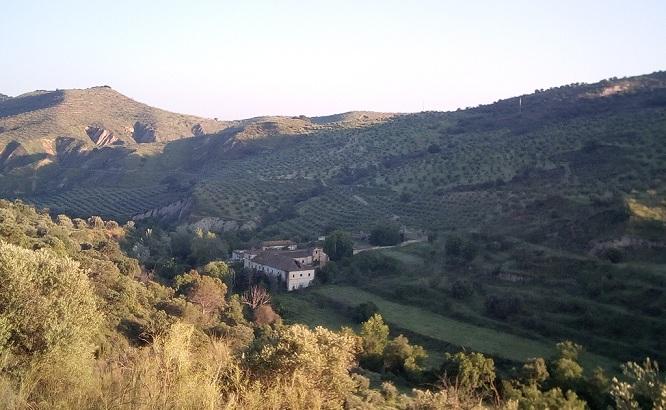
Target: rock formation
x=176 y=210
x=143 y=132
x=101 y=136
x=198 y=130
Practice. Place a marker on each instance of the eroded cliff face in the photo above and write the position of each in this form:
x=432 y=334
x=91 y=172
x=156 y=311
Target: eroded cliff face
x=11 y=154
x=102 y=137
x=143 y=133
x=220 y=225
x=174 y=211
x=198 y=130
x=180 y=211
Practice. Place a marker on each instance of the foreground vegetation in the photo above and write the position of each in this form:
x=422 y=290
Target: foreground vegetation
x=82 y=325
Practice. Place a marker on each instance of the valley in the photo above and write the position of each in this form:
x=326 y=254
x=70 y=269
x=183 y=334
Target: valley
x=524 y=223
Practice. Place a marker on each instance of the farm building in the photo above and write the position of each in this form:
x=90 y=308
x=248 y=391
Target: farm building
x=295 y=268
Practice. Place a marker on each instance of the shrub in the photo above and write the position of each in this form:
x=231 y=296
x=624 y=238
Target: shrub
x=321 y=356
x=364 y=311
x=503 y=307
x=264 y=315
x=402 y=358
x=614 y=255
x=385 y=235
x=472 y=372
x=48 y=319
x=95 y=222
x=111 y=225
x=374 y=334
x=462 y=289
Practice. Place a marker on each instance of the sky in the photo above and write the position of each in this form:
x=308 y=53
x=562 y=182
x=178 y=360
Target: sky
x=240 y=59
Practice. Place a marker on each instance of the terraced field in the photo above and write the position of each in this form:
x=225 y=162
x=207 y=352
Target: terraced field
x=116 y=203
x=426 y=170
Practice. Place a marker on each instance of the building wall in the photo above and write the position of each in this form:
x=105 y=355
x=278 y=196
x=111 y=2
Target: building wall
x=300 y=279
x=318 y=255
x=266 y=269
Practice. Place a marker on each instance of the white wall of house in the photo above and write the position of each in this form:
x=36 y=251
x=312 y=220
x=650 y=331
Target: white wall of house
x=266 y=269
x=300 y=279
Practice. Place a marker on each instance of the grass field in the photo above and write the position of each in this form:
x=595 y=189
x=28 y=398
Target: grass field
x=466 y=336
x=308 y=307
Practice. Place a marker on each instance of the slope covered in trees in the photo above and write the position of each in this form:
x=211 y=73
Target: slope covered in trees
x=84 y=326
x=431 y=170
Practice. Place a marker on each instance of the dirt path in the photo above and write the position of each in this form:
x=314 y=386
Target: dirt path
x=400 y=245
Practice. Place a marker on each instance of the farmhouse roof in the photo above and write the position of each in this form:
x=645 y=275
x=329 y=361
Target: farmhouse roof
x=278 y=243
x=279 y=261
x=298 y=253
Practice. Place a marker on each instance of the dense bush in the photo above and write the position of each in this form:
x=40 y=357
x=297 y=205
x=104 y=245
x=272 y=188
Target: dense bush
x=462 y=289
x=502 y=307
x=364 y=311
x=338 y=245
x=385 y=235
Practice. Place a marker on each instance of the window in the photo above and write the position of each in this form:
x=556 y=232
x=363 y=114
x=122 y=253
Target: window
x=301 y=275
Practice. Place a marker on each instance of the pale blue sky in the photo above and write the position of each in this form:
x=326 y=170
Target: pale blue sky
x=247 y=58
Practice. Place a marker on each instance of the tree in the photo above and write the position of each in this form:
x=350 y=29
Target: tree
x=48 y=318
x=220 y=270
x=472 y=372
x=529 y=397
x=264 y=315
x=338 y=245
x=323 y=358
x=207 y=246
x=461 y=289
x=385 y=235
x=614 y=255
x=95 y=222
x=453 y=245
x=205 y=291
x=364 y=311
x=534 y=371
x=255 y=297
x=374 y=334
x=566 y=369
x=401 y=357
x=644 y=387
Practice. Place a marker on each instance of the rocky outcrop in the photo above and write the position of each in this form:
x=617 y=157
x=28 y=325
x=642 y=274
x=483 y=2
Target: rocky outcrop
x=174 y=211
x=220 y=225
x=143 y=133
x=11 y=154
x=102 y=137
x=66 y=146
x=198 y=130
x=625 y=242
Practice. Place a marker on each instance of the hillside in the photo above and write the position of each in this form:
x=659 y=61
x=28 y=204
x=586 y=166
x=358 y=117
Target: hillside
x=300 y=175
x=545 y=218
x=97 y=116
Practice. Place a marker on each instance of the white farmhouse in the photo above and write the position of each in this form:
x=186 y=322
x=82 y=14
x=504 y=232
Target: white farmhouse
x=295 y=268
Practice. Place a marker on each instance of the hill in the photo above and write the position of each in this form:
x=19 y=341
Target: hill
x=433 y=170
x=97 y=116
